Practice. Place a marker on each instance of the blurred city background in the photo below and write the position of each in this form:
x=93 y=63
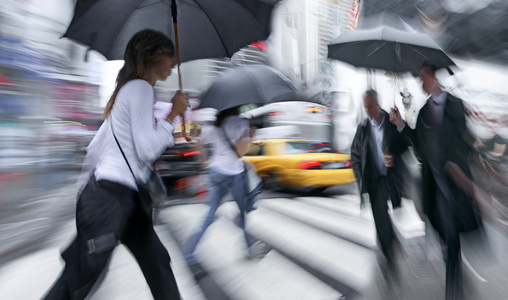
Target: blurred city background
x=52 y=96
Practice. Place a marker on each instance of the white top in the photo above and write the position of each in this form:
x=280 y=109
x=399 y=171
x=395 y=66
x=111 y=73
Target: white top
x=207 y=134
x=141 y=138
x=223 y=159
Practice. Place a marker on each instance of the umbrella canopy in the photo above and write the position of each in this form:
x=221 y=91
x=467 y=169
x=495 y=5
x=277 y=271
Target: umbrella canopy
x=206 y=28
x=250 y=84
x=387 y=49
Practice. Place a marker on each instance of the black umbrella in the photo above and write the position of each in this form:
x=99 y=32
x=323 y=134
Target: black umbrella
x=250 y=84
x=206 y=28
x=387 y=49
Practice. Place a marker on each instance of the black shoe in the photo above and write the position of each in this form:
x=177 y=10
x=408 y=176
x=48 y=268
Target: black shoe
x=198 y=271
x=258 y=250
x=392 y=281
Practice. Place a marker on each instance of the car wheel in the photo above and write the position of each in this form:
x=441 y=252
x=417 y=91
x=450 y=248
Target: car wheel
x=270 y=182
x=317 y=190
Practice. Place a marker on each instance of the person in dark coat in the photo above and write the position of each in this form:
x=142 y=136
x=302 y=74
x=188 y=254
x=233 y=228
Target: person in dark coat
x=377 y=165
x=443 y=143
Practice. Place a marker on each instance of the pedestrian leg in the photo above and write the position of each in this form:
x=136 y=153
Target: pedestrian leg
x=395 y=189
x=101 y=215
x=81 y=273
x=241 y=196
x=152 y=257
x=217 y=191
x=450 y=235
x=384 y=228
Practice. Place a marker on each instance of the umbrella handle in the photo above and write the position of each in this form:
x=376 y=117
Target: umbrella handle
x=177 y=48
x=185 y=134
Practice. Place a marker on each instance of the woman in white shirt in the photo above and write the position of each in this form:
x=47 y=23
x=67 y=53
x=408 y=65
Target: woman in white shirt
x=230 y=138
x=108 y=210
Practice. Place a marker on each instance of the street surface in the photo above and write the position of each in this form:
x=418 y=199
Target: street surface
x=318 y=246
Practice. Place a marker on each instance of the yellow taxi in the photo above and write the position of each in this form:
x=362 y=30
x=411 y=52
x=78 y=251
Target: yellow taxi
x=299 y=163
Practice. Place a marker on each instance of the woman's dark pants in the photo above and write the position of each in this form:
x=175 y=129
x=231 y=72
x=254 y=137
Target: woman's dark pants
x=108 y=213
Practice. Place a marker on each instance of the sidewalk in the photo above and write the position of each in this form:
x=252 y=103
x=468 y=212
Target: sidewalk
x=30 y=276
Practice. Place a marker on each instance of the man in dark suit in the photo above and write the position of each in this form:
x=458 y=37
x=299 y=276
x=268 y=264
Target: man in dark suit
x=442 y=143
x=377 y=164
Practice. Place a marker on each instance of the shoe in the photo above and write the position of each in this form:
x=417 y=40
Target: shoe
x=392 y=280
x=198 y=271
x=258 y=250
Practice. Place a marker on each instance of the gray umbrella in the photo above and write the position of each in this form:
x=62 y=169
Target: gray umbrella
x=387 y=49
x=250 y=84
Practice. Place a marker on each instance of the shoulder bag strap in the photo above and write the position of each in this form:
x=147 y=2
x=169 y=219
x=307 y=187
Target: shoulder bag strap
x=229 y=143
x=120 y=147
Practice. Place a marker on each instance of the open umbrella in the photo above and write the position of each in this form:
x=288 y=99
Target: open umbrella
x=387 y=49
x=250 y=84
x=206 y=29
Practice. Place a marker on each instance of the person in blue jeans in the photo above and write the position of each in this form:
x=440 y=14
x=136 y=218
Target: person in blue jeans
x=230 y=138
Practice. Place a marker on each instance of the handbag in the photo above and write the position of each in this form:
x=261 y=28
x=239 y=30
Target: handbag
x=149 y=183
x=254 y=182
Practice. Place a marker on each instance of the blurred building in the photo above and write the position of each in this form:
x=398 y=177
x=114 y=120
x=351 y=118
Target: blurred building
x=197 y=76
x=302 y=29
x=301 y=32
x=49 y=92
x=48 y=75
x=469 y=29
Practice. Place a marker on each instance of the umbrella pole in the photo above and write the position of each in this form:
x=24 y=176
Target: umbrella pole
x=394 y=88
x=369 y=83
x=177 y=49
